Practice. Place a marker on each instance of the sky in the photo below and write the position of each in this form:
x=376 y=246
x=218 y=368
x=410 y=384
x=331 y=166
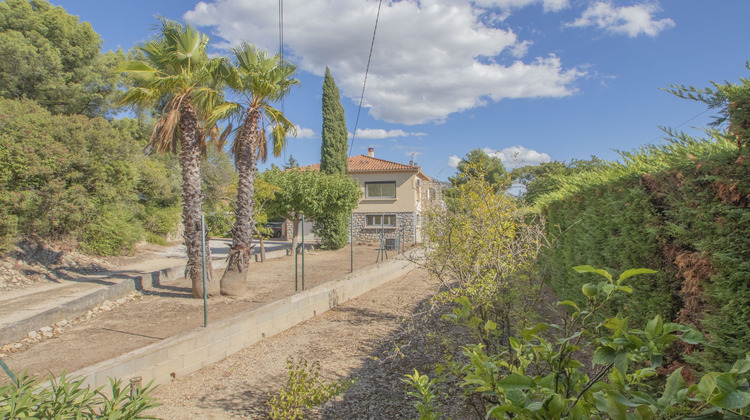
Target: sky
x=528 y=81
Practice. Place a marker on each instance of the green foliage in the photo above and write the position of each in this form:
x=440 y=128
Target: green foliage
x=333 y=150
x=731 y=99
x=311 y=193
x=544 y=178
x=680 y=207
x=540 y=374
x=304 y=390
x=77 y=177
x=484 y=248
x=425 y=395
x=333 y=228
x=67 y=398
x=48 y=56
x=478 y=163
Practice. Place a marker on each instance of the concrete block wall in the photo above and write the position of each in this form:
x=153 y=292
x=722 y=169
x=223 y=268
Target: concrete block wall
x=180 y=355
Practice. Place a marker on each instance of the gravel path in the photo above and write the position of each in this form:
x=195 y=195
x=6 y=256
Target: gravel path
x=354 y=340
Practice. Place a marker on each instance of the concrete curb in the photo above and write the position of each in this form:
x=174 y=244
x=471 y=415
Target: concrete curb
x=182 y=354
x=79 y=306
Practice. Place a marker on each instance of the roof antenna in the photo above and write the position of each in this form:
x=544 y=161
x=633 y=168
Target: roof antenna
x=413 y=155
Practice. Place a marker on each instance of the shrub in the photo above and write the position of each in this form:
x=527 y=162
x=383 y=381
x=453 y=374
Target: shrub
x=304 y=390
x=67 y=398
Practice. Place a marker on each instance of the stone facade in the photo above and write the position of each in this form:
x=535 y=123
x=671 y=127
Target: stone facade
x=406 y=228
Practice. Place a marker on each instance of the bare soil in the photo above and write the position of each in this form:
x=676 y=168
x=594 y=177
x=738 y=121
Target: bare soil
x=169 y=309
x=363 y=339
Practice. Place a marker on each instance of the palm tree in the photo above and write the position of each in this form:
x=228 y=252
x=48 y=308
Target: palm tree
x=181 y=81
x=259 y=80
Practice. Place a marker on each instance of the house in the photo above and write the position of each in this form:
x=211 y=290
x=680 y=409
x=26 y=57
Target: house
x=395 y=196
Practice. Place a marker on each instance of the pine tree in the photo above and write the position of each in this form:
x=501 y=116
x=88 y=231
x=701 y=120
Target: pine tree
x=333 y=154
x=333 y=228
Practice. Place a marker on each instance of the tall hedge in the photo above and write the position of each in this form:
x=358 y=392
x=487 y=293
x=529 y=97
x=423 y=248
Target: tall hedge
x=680 y=208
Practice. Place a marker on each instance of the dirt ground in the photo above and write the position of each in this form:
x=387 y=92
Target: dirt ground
x=360 y=339
x=169 y=309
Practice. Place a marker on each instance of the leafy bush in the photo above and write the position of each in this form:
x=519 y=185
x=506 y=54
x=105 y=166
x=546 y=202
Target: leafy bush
x=67 y=398
x=541 y=374
x=333 y=230
x=304 y=390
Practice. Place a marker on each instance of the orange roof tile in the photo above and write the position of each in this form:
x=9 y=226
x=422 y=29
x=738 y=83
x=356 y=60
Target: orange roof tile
x=364 y=163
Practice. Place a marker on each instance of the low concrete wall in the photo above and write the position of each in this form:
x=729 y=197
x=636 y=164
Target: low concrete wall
x=179 y=355
x=77 y=307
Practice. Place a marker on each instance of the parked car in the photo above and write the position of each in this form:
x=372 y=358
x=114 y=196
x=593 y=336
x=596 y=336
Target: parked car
x=274 y=229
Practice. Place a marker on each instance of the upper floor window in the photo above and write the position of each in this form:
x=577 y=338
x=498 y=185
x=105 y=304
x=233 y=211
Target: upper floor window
x=384 y=189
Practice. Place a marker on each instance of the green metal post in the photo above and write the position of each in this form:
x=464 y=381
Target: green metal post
x=295 y=250
x=351 y=242
x=203 y=251
x=303 y=252
x=9 y=372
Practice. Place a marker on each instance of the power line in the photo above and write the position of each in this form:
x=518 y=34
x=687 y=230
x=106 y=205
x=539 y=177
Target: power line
x=678 y=126
x=367 y=70
x=281 y=51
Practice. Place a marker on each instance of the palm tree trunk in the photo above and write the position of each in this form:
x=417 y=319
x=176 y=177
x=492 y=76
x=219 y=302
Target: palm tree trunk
x=234 y=280
x=192 y=198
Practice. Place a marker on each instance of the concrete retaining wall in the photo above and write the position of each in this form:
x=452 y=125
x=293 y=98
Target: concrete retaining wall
x=77 y=307
x=177 y=356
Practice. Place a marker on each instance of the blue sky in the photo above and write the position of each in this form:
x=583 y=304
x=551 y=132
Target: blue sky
x=538 y=79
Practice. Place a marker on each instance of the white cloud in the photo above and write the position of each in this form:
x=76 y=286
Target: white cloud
x=425 y=63
x=549 y=5
x=517 y=156
x=453 y=161
x=379 y=133
x=627 y=20
x=305 y=133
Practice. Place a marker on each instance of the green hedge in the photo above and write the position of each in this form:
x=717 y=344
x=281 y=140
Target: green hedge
x=680 y=208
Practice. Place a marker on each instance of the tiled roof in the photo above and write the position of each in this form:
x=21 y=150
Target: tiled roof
x=364 y=163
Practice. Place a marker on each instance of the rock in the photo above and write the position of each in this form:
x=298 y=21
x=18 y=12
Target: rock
x=47 y=334
x=6 y=348
x=120 y=301
x=35 y=335
x=45 y=329
x=18 y=345
x=107 y=303
x=62 y=323
x=105 y=308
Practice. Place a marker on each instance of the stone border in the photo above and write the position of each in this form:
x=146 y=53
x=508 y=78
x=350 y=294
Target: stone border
x=180 y=355
x=79 y=306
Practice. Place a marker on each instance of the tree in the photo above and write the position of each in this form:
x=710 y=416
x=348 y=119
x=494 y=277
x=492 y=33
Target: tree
x=333 y=227
x=291 y=163
x=309 y=193
x=48 y=56
x=333 y=156
x=731 y=99
x=179 y=78
x=546 y=177
x=478 y=162
x=259 y=80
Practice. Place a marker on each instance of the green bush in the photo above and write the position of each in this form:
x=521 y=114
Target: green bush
x=680 y=207
x=333 y=230
x=114 y=232
x=67 y=398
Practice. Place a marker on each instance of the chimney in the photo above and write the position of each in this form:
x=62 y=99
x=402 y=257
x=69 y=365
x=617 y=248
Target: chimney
x=371 y=151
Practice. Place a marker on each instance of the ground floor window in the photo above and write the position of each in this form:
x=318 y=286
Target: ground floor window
x=377 y=220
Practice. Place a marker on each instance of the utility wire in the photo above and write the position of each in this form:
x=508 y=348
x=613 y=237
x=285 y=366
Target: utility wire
x=367 y=70
x=678 y=126
x=281 y=51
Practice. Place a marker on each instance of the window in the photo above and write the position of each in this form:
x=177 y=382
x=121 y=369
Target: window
x=378 y=220
x=385 y=189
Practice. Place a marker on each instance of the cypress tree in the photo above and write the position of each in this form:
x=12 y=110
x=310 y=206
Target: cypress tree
x=333 y=154
x=333 y=228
